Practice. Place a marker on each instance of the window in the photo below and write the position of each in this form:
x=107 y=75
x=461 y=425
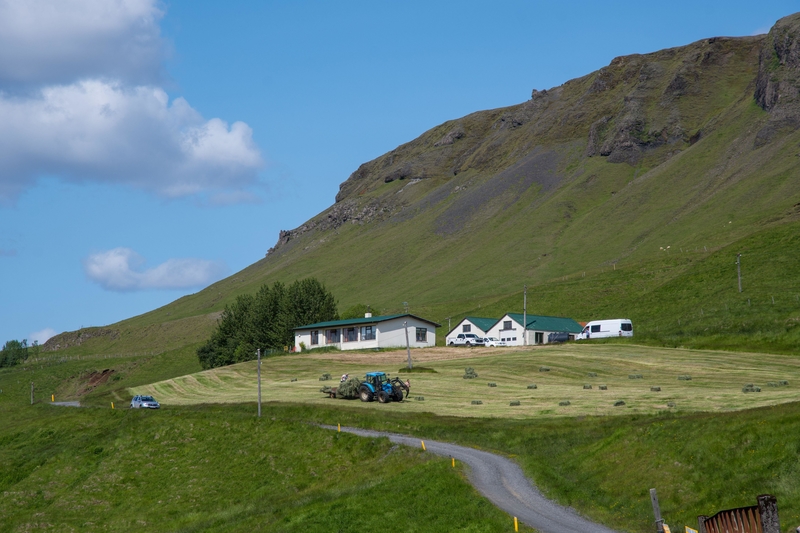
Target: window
x=506 y=324
x=538 y=337
x=596 y=329
x=315 y=337
x=513 y=338
x=422 y=334
x=367 y=333
x=331 y=336
x=350 y=335
x=627 y=327
x=466 y=328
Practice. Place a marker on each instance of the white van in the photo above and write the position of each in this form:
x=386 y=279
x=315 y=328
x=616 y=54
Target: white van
x=598 y=329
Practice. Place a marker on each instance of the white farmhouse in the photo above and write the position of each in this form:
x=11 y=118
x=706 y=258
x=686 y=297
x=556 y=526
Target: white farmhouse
x=538 y=330
x=471 y=324
x=368 y=332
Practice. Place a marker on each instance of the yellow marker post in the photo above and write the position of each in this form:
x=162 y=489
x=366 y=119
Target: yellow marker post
x=423 y=445
x=516 y=524
x=339 y=428
x=454 y=461
x=52 y=397
x=112 y=405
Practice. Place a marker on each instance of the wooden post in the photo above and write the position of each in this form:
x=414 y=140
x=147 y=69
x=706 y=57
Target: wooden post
x=31 y=392
x=408 y=348
x=524 y=315
x=739 y=270
x=768 y=509
x=657 y=511
x=701 y=523
x=258 y=352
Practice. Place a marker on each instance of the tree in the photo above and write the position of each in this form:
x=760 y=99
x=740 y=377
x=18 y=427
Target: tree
x=13 y=353
x=266 y=320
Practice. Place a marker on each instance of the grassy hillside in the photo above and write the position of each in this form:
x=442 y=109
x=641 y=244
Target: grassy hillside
x=626 y=192
x=220 y=470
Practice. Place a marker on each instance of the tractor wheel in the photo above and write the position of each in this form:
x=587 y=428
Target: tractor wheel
x=398 y=395
x=383 y=397
x=365 y=394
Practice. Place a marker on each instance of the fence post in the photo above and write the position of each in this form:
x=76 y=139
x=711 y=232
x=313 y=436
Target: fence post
x=768 y=509
x=701 y=523
x=657 y=511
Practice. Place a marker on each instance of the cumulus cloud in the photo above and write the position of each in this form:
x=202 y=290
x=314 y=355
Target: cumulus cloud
x=106 y=132
x=122 y=269
x=41 y=336
x=59 y=41
x=79 y=101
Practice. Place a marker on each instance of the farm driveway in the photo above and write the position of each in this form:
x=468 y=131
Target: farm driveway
x=502 y=482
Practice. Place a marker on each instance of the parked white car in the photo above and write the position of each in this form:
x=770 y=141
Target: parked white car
x=467 y=339
x=493 y=341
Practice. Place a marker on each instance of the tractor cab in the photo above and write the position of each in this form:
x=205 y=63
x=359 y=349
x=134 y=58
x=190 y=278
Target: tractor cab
x=378 y=385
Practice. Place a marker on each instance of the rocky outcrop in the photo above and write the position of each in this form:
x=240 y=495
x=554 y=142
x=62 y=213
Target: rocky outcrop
x=341 y=213
x=76 y=338
x=778 y=82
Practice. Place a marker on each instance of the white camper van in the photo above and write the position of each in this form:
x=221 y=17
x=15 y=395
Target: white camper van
x=598 y=329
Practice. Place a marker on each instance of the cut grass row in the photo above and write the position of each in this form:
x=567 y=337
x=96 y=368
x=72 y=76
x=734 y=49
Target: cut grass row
x=716 y=381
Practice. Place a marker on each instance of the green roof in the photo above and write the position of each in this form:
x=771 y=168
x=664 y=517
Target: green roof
x=484 y=323
x=362 y=320
x=548 y=323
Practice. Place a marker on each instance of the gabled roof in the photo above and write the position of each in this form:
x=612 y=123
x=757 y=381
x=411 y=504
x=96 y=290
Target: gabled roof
x=548 y=323
x=484 y=323
x=362 y=320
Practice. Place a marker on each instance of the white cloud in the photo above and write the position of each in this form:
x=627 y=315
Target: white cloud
x=106 y=132
x=60 y=41
x=122 y=269
x=41 y=336
x=79 y=101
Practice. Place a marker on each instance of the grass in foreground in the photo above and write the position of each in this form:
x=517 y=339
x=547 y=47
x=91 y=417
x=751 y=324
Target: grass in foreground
x=220 y=469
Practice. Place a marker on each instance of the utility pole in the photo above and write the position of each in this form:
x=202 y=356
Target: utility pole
x=408 y=348
x=259 y=382
x=524 y=315
x=739 y=270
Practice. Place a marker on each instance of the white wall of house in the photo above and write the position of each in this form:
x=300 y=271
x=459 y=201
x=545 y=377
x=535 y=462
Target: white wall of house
x=507 y=329
x=388 y=334
x=471 y=328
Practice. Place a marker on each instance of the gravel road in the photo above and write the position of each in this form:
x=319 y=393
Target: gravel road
x=502 y=482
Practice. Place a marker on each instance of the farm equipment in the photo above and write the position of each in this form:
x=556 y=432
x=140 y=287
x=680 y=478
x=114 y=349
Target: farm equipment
x=378 y=385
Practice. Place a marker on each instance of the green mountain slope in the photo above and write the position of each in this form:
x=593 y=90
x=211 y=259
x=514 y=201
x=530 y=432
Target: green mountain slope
x=627 y=192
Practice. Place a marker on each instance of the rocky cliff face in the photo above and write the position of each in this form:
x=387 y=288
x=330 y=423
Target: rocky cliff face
x=641 y=109
x=778 y=82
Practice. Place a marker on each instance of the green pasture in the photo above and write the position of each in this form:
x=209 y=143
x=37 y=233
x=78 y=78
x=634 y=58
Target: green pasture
x=220 y=469
x=716 y=381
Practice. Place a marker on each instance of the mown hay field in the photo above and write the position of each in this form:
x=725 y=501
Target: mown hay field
x=630 y=374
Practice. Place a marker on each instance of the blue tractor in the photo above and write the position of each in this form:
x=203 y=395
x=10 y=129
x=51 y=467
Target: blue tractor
x=378 y=385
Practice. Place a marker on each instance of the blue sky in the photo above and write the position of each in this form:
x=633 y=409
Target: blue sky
x=148 y=149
